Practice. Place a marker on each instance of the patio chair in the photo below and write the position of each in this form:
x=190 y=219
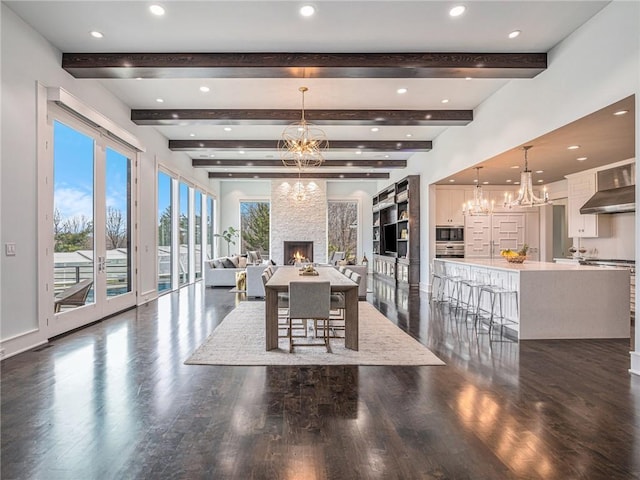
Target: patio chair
x=74 y=296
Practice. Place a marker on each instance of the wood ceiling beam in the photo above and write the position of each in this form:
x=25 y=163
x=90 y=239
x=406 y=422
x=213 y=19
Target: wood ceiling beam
x=287 y=116
x=271 y=145
x=214 y=162
x=295 y=175
x=304 y=65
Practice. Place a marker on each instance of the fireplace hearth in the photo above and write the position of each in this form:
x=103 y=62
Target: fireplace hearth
x=298 y=251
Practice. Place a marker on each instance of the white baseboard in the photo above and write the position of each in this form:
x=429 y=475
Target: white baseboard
x=21 y=343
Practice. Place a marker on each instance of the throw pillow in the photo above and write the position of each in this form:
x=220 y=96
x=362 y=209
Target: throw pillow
x=252 y=256
x=217 y=263
x=227 y=263
x=242 y=263
x=236 y=260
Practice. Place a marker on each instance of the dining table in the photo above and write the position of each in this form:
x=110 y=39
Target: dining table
x=279 y=283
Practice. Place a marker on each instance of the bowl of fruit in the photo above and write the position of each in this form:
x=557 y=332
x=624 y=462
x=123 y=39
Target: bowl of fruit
x=513 y=256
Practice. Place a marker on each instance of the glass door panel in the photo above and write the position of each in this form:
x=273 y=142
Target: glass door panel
x=117 y=264
x=197 y=217
x=73 y=222
x=164 y=232
x=183 y=234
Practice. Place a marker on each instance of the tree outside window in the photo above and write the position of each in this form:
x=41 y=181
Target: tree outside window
x=254 y=226
x=343 y=228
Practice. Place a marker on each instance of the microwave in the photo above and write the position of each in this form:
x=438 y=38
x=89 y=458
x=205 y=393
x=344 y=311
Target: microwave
x=449 y=234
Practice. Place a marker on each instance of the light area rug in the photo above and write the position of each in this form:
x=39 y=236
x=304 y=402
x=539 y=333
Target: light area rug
x=240 y=340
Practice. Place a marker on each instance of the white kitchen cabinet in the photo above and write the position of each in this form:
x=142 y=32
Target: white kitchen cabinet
x=581 y=188
x=507 y=232
x=486 y=235
x=477 y=236
x=532 y=234
x=449 y=203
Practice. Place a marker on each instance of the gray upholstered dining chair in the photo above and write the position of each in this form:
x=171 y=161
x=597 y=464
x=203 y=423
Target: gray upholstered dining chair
x=283 y=314
x=310 y=301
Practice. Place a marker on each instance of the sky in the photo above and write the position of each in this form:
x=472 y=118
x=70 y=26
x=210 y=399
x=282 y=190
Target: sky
x=74 y=172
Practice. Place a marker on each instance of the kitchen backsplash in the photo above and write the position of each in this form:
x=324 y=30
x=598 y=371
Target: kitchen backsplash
x=619 y=245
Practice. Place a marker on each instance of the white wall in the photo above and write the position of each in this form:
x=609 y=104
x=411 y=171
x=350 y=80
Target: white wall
x=27 y=58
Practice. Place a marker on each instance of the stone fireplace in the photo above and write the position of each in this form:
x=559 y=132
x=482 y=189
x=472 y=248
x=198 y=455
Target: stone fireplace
x=295 y=219
x=297 y=251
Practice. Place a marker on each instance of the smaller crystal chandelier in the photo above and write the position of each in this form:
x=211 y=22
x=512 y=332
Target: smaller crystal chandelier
x=479 y=205
x=526 y=197
x=302 y=143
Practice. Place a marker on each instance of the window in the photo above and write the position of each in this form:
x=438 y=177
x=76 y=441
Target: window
x=254 y=226
x=210 y=237
x=183 y=234
x=197 y=217
x=164 y=232
x=342 y=228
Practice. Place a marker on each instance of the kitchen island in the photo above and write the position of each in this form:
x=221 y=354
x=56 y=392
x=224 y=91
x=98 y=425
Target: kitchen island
x=555 y=300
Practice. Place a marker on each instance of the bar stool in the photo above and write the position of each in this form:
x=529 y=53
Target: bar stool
x=453 y=281
x=496 y=291
x=473 y=282
x=437 y=279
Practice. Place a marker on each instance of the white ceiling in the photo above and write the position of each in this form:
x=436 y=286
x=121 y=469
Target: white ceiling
x=276 y=26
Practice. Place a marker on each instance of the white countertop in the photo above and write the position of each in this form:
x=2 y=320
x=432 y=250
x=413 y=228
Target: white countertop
x=527 y=266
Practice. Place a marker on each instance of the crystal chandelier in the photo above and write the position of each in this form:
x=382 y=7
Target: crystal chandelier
x=526 y=197
x=479 y=205
x=302 y=143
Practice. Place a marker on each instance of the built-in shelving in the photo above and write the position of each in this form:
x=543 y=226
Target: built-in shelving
x=396 y=232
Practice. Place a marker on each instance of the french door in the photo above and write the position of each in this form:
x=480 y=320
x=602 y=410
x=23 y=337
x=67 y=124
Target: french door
x=92 y=265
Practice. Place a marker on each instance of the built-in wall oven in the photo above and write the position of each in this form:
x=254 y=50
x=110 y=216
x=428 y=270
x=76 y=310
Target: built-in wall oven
x=449 y=241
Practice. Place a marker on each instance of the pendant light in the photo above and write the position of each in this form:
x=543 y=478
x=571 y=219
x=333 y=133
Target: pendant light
x=479 y=205
x=526 y=197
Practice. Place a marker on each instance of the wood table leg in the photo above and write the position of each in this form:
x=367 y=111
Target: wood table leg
x=271 y=318
x=351 y=318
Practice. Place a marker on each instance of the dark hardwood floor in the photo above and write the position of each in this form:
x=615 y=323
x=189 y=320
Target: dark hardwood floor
x=115 y=401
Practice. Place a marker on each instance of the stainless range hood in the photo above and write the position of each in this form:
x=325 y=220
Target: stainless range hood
x=616 y=192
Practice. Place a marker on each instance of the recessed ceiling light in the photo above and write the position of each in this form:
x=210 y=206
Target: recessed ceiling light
x=514 y=34
x=227 y=129
x=573 y=147
x=204 y=89
x=516 y=183
x=539 y=171
x=358 y=152
x=213 y=155
x=307 y=10
x=96 y=34
x=349 y=164
x=386 y=156
x=192 y=134
x=581 y=159
x=540 y=181
x=508 y=181
x=156 y=10
x=159 y=100
x=445 y=100
x=457 y=10
x=408 y=135
x=475 y=180
x=515 y=166
x=138 y=78
x=467 y=78
x=452 y=180
x=241 y=152
x=620 y=112
x=402 y=90
x=375 y=129
x=485 y=183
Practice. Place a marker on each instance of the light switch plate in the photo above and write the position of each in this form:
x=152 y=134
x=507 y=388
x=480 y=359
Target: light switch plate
x=10 y=249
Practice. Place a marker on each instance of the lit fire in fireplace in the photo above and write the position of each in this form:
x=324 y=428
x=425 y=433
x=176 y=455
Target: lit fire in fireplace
x=298 y=257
